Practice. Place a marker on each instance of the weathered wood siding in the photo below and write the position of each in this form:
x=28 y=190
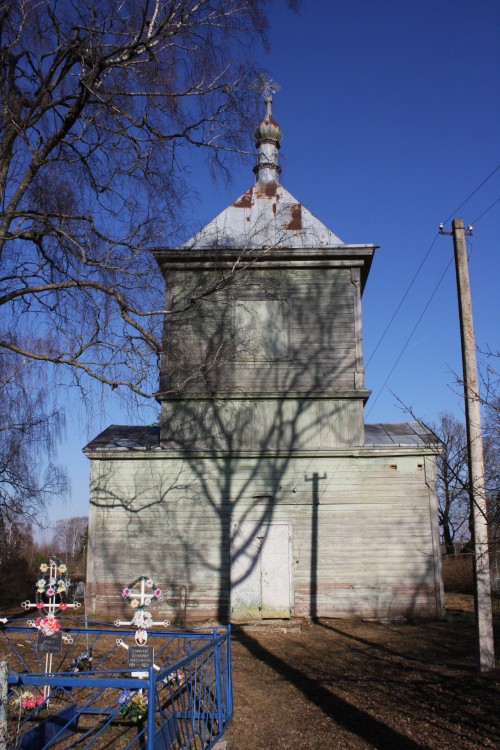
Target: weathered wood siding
x=206 y=353
x=363 y=528
x=263 y=424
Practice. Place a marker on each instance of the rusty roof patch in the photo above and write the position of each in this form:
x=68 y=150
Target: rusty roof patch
x=246 y=200
x=295 y=223
x=267 y=189
x=269 y=211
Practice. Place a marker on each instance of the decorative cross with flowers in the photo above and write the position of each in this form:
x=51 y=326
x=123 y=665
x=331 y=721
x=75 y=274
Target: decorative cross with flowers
x=141 y=594
x=51 y=591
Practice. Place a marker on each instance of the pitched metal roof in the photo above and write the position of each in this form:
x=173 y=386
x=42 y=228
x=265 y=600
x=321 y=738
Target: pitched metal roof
x=119 y=437
x=399 y=433
x=139 y=438
x=266 y=215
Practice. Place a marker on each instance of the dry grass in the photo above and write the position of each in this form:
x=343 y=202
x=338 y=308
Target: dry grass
x=350 y=685
x=458 y=574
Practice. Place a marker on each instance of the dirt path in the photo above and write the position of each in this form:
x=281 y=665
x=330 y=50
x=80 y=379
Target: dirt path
x=355 y=686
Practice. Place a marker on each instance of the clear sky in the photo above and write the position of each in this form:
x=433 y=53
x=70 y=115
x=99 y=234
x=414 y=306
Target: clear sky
x=390 y=113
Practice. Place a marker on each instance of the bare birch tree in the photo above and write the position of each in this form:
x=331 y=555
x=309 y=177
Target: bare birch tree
x=489 y=397
x=30 y=424
x=101 y=102
x=452 y=482
x=491 y=410
x=102 y=105
x=68 y=535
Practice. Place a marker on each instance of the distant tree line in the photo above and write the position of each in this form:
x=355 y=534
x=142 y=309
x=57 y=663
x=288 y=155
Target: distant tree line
x=21 y=555
x=453 y=480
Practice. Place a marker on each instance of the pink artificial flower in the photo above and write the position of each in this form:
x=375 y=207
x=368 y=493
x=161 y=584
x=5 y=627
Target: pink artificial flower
x=63 y=606
x=51 y=591
x=38 y=621
x=39 y=700
x=39 y=605
x=158 y=593
x=126 y=592
x=49 y=625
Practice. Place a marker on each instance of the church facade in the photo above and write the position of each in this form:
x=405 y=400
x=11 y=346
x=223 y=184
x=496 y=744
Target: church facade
x=262 y=493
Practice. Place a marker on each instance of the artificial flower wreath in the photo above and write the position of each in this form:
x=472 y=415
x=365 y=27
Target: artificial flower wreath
x=134 y=707
x=52 y=582
x=48 y=625
x=130 y=596
x=28 y=701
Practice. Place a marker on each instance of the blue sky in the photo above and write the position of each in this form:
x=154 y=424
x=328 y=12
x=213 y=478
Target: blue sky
x=391 y=118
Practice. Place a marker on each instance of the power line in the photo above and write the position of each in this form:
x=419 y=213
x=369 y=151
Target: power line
x=421 y=315
x=379 y=342
x=353 y=439
x=473 y=193
x=485 y=212
x=402 y=300
x=410 y=336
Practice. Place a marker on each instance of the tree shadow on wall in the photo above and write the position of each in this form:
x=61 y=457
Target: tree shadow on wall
x=261 y=381
x=252 y=367
x=246 y=416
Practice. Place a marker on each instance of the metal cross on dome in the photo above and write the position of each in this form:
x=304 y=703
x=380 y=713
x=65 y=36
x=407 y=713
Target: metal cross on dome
x=266 y=86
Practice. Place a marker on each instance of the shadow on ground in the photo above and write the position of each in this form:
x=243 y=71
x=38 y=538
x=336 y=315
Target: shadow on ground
x=355 y=686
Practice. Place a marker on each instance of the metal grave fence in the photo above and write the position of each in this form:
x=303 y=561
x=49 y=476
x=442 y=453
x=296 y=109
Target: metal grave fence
x=93 y=699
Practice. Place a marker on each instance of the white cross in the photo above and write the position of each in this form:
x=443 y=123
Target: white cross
x=142 y=619
x=50 y=606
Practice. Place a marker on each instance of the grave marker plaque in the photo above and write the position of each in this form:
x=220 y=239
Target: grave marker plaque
x=140 y=657
x=49 y=644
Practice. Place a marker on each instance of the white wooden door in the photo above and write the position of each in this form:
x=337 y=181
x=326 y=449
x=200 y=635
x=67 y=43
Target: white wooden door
x=245 y=572
x=276 y=571
x=261 y=585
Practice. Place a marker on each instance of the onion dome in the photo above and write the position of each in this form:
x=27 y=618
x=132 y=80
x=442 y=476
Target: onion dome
x=268 y=136
x=268 y=130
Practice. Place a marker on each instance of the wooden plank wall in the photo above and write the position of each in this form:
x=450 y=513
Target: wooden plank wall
x=364 y=531
x=263 y=424
x=204 y=354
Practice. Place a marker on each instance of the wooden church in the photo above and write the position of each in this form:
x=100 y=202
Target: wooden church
x=262 y=493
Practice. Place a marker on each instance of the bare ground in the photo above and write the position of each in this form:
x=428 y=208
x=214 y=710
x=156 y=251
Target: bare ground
x=355 y=685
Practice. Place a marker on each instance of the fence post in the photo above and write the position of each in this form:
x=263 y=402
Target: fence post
x=218 y=691
x=4 y=691
x=229 y=674
x=150 y=745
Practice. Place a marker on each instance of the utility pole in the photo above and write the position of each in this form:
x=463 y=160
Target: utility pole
x=482 y=585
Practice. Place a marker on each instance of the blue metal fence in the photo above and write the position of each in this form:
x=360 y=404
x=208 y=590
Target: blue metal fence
x=183 y=702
